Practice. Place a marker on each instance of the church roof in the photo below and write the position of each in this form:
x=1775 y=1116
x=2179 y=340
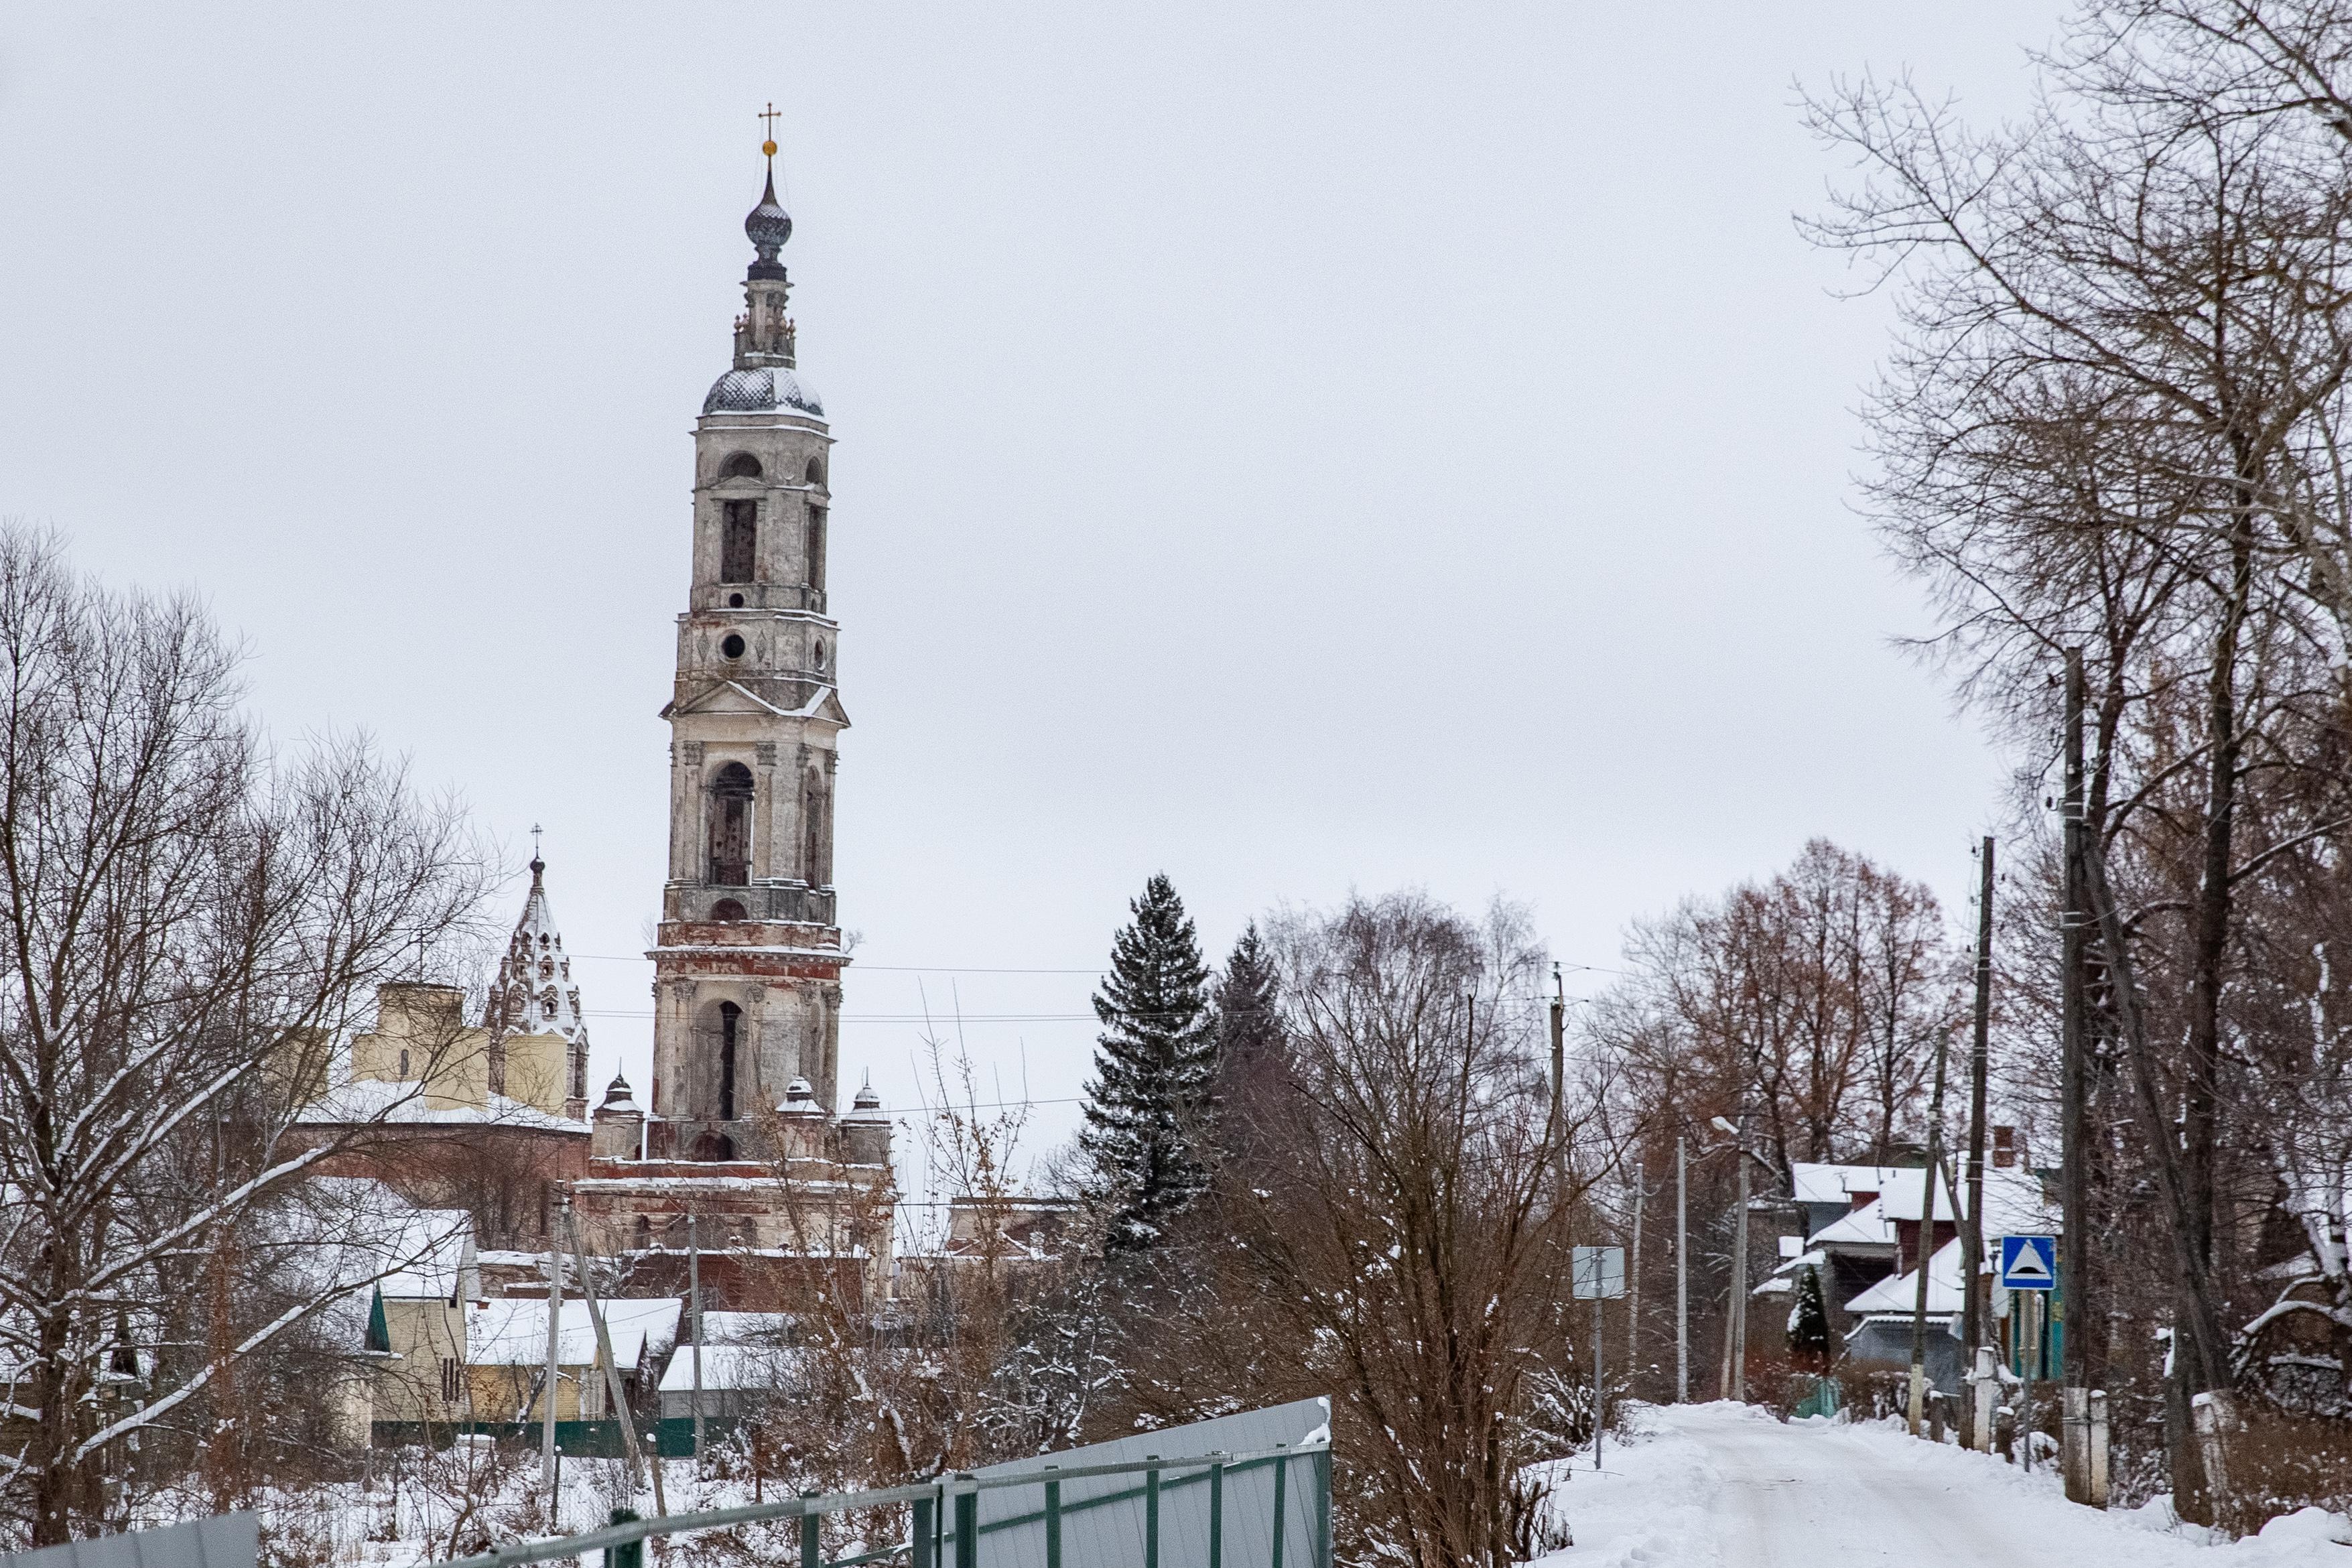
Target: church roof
x=762 y=389
x=535 y=993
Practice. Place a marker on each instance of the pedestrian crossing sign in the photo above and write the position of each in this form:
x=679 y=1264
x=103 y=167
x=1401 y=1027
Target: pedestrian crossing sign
x=2028 y=1262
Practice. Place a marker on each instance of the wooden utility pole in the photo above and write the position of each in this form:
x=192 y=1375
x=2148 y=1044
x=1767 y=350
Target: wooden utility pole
x=1928 y=1236
x=1974 y=1292
x=613 y=1389
x=2074 y=1249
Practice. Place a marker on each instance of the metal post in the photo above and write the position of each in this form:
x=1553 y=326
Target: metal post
x=1634 y=1280
x=1682 y=1271
x=693 y=1326
x=1600 y=1389
x=1151 y=1512
x=1322 y=1516
x=1054 y=1526
x=2030 y=1363
x=1216 y=1517
x=967 y=1523
x=812 y=1548
x=926 y=1542
x=1281 y=1480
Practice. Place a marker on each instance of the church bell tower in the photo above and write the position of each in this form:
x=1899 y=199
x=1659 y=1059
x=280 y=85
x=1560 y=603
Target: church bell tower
x=747 y=990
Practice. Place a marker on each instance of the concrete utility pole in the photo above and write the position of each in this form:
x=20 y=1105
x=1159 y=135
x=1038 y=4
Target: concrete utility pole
x=1735 y=1333
x=1973 y=1290
x=613 y=1389
x=1559 y=1091
x=1682 y=1271
x=1928 y=1236
x=554 y=1346
x=694 y=1327
x=1633 y=1286
x=2074 y=1247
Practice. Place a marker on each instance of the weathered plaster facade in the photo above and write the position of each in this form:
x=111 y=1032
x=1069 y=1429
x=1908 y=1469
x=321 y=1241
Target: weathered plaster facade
x=747 y=994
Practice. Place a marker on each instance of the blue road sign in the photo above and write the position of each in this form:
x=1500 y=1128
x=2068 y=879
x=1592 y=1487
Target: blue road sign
x=2028 y=1263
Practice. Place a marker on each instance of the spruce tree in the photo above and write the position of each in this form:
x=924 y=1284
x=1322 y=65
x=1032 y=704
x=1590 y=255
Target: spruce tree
x=1155 y=1072
x=1809 y=1321
x=1249 y=1038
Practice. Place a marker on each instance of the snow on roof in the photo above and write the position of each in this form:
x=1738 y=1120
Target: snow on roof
x=729 y=1367
x=513 y=1332
x=745 y=1328
x=402 y=1102
x=1900 y=1292
x=1837 y=1184
x=534 y=992
x=1866 y=1226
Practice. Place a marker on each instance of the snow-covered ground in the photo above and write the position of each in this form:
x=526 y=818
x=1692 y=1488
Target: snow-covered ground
x=1727 y=1485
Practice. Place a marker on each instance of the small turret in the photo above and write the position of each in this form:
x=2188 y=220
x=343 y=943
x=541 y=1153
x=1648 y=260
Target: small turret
x=619 y=1125
x=865 y=1131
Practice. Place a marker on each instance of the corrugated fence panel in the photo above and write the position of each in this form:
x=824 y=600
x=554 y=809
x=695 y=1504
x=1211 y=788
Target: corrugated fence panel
x=224 y=1541
x=1104 y=1517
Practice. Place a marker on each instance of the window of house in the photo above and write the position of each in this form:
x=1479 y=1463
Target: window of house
x=452 y=1381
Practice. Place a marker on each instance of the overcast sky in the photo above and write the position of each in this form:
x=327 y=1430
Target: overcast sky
x=1300 y=448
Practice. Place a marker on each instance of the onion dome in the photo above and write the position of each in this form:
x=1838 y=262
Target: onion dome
x=769 y=225
x=616 y=1098
x=762 y=389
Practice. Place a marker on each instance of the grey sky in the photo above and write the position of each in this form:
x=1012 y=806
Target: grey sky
x=1293 y=447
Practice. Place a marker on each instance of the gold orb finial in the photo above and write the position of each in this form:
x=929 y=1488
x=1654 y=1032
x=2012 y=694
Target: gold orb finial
x=769 y=148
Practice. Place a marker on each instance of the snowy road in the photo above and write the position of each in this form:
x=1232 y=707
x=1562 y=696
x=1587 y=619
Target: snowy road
x=1724 y=1487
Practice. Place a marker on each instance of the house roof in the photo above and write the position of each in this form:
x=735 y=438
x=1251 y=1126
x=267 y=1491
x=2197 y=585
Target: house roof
x=1837 y=1184
x=729 y=1367
x=1866 y=1226
x=513 y=1332
x=1900 y=1292
x=366 y=1101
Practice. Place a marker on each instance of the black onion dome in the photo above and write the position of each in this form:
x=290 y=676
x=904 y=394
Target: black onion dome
x=769 y=225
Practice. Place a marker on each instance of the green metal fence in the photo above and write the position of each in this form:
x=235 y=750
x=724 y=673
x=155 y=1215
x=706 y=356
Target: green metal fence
x=944 y=1530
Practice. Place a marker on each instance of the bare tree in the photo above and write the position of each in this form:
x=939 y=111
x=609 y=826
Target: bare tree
x=187 y=925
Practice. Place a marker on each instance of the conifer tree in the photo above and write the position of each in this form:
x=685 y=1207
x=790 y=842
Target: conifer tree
x=1155 y=1070
x=1249 y=1036
x=1809 y=1321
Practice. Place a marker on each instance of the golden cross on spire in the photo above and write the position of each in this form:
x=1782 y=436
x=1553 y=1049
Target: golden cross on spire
x=769 y=117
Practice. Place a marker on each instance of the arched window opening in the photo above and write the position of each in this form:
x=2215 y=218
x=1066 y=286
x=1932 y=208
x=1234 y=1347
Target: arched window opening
x=727 y=910
x=812 y=831
x=731 y=1018
x=713 y=1148
x=731 y=827
x=816 y=473
x=403 y=1064
x=739 y=542
x=815 y=548
x=741 y=465
x=645 y=1231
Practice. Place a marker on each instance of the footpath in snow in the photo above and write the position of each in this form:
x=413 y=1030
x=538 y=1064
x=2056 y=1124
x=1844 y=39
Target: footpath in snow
x=1727 y=1485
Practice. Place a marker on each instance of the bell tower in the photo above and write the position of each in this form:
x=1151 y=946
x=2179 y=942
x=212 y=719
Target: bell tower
x=746 y=989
